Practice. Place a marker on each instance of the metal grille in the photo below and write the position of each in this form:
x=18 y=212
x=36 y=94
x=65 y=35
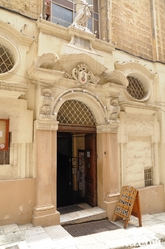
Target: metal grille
x=148 y=177
x=4 y=157
x=135 y=88
x=75 y=112
x=6 y=60
x=91 y=227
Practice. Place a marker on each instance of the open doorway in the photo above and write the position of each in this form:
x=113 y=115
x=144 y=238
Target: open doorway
x=76 y=167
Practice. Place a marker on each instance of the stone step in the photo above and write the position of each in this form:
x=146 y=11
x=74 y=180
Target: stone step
x=81 y=216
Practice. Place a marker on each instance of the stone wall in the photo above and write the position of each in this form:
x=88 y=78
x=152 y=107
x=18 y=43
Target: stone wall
x=29 y=8
x=17 y=201
x=138 y=152
x=160 y=31
x=131 y=27
x=137 y=27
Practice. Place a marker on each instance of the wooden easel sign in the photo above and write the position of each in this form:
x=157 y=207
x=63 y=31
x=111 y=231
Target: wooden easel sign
x=127 y=205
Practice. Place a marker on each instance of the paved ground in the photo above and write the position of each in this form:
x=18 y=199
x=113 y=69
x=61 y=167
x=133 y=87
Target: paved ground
x=150 y=236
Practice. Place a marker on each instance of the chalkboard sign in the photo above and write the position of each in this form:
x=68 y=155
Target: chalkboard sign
x=127 y=205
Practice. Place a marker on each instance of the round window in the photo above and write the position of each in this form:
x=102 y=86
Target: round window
x=135 y=88
x=6 y=59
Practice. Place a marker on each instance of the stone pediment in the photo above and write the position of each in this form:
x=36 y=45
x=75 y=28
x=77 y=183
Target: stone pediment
x=70 y=61
x=119 y=75
x=51 y=67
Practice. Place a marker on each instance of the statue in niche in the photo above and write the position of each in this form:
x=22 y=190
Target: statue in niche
x=82 y=14
x=115 y=109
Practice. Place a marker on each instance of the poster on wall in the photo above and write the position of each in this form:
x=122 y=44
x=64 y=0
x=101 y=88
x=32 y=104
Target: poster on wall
x=4 y=134
x=81 y=172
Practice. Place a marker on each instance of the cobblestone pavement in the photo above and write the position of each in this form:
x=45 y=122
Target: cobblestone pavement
x=150 y=236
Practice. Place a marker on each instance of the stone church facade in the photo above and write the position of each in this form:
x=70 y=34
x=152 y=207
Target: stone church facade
x=82 y=110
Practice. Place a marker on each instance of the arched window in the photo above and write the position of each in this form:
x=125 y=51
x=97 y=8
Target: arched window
x=63 y=12
x=76 y=113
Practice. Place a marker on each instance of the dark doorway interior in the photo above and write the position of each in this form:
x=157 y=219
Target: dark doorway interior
x=64 y=169
x=65 y=194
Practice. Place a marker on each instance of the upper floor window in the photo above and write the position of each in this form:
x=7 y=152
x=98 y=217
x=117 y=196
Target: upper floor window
x=63 y=12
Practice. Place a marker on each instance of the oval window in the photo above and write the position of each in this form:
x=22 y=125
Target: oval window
x=135 y=88
x=6 y=59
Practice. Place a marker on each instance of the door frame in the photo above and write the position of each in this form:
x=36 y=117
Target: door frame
x=77 y=129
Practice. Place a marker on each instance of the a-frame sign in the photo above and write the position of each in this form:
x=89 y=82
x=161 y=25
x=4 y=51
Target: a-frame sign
x=127 y=205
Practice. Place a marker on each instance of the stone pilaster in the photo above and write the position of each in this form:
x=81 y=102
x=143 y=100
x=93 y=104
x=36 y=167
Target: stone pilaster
x=45 y=213
x=108 y=168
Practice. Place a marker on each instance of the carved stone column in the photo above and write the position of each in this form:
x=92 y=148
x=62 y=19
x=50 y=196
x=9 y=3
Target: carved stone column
x=45 y=213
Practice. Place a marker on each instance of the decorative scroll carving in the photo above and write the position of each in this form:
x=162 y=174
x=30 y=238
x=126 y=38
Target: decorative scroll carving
x=82 y=75
x=46 y=60
x=82 y=14
x=47 y=98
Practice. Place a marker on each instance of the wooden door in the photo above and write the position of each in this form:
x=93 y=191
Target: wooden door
x=90 y=170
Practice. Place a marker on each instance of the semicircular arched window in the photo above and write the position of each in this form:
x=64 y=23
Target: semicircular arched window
x=135 y=88
x=6 y=59
x=76 y=113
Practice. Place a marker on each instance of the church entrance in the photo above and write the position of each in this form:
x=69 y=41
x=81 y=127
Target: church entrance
x=76 y=159
x=76 y=168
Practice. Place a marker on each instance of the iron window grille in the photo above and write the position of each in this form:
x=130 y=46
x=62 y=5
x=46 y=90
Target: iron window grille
x=135 y=88
x=75 y=112
x=6 y=59
x=148 y=177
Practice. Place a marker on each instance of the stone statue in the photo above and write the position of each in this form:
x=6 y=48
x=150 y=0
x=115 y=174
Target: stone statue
x=82 y=14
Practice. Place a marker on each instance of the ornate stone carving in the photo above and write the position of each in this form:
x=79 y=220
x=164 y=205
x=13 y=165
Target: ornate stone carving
x=82 y=14
x=82 y=75
x=47 y=98
x=46 y=60
x=114 y=110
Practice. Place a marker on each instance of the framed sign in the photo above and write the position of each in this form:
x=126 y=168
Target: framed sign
x=4 y=134
x=127 y=205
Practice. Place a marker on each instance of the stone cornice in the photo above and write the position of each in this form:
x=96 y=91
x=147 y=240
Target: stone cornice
x=136 y=107
x=67 y=33
x=134 y=67
x=44 y=75
x=46 y=124
x=12 y=89
x=112 y=127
